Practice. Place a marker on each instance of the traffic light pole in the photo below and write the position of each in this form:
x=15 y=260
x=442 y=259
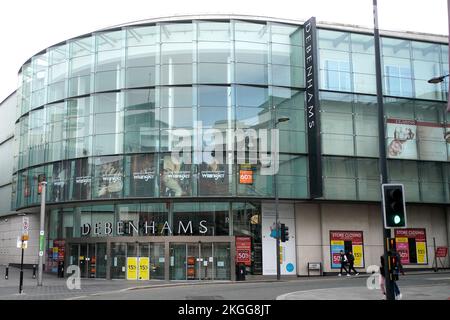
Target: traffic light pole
x=389 y=284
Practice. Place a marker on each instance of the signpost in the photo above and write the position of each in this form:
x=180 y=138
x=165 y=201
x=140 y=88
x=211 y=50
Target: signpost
x=23 y=245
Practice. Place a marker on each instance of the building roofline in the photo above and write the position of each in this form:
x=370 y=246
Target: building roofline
x=8 y=96
x=409 y=35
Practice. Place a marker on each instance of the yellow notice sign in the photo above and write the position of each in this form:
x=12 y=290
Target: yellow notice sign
x=401 y=240
x=337 y=242
x=421 y=252
x=358 y=254
x=144 y=268
x=131 y=268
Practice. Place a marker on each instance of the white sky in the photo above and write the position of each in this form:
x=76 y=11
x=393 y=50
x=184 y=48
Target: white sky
x=28 y=26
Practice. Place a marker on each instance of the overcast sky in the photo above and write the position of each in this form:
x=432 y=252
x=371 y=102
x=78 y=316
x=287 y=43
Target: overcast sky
x=27 y=27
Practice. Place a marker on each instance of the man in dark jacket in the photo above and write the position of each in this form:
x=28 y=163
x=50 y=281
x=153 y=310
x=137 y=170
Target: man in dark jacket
x=343 y=260
x=351 y=262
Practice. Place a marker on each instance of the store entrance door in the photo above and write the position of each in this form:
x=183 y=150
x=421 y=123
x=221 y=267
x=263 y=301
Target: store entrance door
x=90 y=258
x=200 y=261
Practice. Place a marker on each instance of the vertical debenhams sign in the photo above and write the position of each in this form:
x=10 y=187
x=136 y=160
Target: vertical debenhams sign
x=312 y=109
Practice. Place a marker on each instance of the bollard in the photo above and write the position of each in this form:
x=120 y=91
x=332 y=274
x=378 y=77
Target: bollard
x=34 y=271
x=6 y=272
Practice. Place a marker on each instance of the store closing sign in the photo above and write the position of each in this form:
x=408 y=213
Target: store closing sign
x=411 y=245
x=243 y=250
x=347 y=241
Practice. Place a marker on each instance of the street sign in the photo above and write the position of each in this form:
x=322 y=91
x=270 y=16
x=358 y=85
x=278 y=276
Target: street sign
x=21 y=244
x=25 y=225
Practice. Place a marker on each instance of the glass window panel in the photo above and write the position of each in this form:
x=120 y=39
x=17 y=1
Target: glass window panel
x=425 y=51
x=287 y=55
x=362 y=43
x=425 y=90
x=80 y=85
x=176 y=97
x=177 y=117
x=213 y=96
x=109 y=60
x=287 y=98
x=425 y=69
x=214 y=31
x=292 y=187
x=282 y=33
x=247 y=96
x=339 y=188
x=336 y=102
x=214 y=52
x=334 y=40
x=81 y=66
x=108 y=144
x=57 y=54
x=108 y=80
x=246 y=31
x=140 y=77
x=429 y=111
x=82 y=47
x=109 y=40
x=251 y=73
x=214 y=73
x=79 y=107
x=253 y=118
x=176 y=53
x=296 y=119
x=292 y=141
x=287 y=76
x=56 y=91
x=79 y=147
x=176 y=74
x=364 y=83
x=399 y=48
x=337 y=144
x=142 y=36
x=363 y=63
x=399 y=108
x=251 y=52
x=57 y=72
x=213 y=117
x=145 y=140
x=337 y=167
x=107 y=102
x=108 y=123
x=179 y=32
x=141 y=56
x=262 y=184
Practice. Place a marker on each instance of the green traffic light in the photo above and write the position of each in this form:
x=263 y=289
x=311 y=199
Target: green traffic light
x=397 y=219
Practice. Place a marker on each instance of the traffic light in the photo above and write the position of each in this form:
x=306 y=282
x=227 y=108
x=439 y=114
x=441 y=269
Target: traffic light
x=284 y=232
x=41 y=178
x=394 y=210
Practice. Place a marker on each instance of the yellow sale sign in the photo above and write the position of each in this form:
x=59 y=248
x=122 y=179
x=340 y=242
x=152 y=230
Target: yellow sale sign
x=144 y=268
x=358 y=254
x=421 y=252
x=131 y=268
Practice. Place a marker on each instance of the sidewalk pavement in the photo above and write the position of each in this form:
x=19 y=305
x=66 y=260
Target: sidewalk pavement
x=420 y=292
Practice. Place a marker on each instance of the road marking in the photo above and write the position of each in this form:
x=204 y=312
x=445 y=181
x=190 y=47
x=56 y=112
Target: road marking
x=437 y=279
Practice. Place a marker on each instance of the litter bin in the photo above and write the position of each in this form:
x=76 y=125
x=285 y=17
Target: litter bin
x=61 y=269
x=240 y=269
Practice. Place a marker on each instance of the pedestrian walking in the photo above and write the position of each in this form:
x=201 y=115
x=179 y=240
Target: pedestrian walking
x=343 y=260
x=397 y=268
x=382 y=279
x=351 y=262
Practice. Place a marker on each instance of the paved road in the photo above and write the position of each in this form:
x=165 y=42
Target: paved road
x=413 y=286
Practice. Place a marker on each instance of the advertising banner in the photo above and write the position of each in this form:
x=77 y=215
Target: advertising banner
x=143 y=173
x=175 y=178
x=287 y=249
x=410 y=139
x=347 y=241
x=411 y=245
x=244 y=250
x=132 y=265
x=144 y=263
x=61 y=172
x=109 y=173
x=213 y=176
x=83 y=179
x=441 y=252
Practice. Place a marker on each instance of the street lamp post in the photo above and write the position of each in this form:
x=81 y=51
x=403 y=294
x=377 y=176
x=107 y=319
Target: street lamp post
x=41 y=235
x=438 y=79
x=275 y=189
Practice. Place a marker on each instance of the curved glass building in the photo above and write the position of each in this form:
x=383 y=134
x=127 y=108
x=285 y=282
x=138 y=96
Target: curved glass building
x=100 y=115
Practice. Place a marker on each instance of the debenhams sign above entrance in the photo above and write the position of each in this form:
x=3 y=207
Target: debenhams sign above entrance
x=124 y=228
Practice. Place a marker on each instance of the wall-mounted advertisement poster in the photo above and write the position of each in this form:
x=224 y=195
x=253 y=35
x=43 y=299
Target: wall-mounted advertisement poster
x=401 y=139
x=109 y=175
x=411 y=245
x=244 y=250
x=83 y=179
x=175 y=178
x=213 y=176
x=143 y=174
x=409 y=139
x=347 y=241
x=60 y=176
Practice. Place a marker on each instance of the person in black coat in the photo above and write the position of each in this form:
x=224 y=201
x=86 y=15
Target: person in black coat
x=351 y=262
x=343 y=260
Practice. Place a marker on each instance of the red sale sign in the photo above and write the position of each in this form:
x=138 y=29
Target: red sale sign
x=243 y=250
